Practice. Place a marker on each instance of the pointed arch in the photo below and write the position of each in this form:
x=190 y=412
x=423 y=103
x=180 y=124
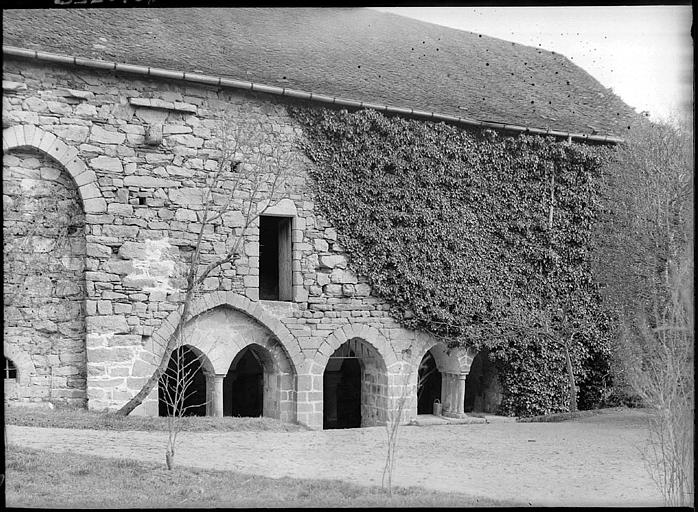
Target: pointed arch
x=369 y=334
x=237 y=302
x=28 y=136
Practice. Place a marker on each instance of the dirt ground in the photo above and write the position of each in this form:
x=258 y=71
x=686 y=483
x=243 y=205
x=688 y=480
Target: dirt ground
x=592 y=461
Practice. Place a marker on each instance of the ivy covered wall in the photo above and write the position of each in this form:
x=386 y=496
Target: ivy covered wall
x=474 y=237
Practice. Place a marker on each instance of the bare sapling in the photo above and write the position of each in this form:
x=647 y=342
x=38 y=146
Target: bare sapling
x=660 y=363
x=177 y=391
x=645 y=263
x=251 y=175
x=394 y=420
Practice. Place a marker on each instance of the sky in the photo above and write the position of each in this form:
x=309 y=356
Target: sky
x=644 y=53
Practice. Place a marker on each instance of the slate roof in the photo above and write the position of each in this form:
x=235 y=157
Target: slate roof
x=357 y=54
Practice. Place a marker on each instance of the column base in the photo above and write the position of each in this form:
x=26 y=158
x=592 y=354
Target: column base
x=449 y=414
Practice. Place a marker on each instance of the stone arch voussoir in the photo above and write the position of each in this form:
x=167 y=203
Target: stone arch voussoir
x=454 y=360
x=29 y=136
x=369 y=334
x=240 y=303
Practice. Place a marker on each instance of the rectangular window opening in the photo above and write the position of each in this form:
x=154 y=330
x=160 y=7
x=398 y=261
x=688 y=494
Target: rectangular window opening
x=275 y=258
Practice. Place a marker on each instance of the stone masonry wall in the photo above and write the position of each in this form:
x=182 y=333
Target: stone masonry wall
x=44 y=282
x=143 y=208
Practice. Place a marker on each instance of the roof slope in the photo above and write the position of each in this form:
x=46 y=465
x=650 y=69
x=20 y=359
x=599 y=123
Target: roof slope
x=351 y=53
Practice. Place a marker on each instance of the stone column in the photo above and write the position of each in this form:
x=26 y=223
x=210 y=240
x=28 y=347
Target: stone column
x=445 y=405
x=217 y=395
x=209 y=392
x=461 y=394
x=453 y=391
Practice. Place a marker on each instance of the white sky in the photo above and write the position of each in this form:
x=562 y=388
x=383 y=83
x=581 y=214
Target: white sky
x=644 y=53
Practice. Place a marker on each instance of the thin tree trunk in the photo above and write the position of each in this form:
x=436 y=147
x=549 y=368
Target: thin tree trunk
x=570 y=375
x=150 y=384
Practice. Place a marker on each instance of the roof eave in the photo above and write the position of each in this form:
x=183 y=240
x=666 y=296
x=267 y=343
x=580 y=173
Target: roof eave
x=292 y=93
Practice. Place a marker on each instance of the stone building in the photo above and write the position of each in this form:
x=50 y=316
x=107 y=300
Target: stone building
x=111 y=124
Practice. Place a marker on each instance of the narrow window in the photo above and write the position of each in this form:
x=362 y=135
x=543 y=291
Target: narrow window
x=275 y=258
x=10 y=369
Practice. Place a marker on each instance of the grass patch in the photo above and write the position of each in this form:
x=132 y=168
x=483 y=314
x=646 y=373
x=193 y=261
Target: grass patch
x=44 y=479
x=80 y=418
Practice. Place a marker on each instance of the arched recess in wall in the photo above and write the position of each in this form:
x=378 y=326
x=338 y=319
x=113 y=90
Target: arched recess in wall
x=355 y=383
x=436 y=363
x=442 y=373
x=223 y=325
x=23 y=363
x=184 y=388
x=483 y=391
x=46 y=192
x=32 y=137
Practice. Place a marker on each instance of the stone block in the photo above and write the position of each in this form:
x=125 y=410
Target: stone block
x=211 y=283
x=320 y=245
x=124 y=340
x=333 y=261
x=119 y=371
x=343 y=276
x=99 y=134
x=89 y=191
x=142 y=369
x=186 y=196
x=132 y=250
x=96 y=205
x=121 y=308
x=104 y=307
x=100 y=277
x=111 y=324
x=148 y=182
x=300 y=294
x=187 y=140
x=332 y=289
x=120 y=231
x=120 y=267
x=252 y=249
x=136 y=382
x=113 y=354
x=120 y=209
x=97 y=250
x=107 y=163
x=72 y=133
x=175 y=129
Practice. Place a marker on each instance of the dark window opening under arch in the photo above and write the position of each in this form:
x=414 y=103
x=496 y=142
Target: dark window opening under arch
x=243 y=386
x=342 y=392
x=182 y=388
x=429 y=385
x=10 y=369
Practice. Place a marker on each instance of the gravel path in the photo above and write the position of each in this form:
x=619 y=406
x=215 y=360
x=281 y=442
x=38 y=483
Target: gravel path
x=591 y=461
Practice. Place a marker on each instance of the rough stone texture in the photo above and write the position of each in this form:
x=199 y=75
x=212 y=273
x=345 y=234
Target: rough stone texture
x=44 y=283
x=143 y=206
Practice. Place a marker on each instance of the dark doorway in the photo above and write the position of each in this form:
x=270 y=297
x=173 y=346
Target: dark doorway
x=429 y=385
x=243 y=386
x=482 y=388
x=182 y=389
x=342 y=392
x=274 y=258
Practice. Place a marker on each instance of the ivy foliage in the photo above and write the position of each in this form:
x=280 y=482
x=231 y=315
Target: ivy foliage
x=453 y=229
